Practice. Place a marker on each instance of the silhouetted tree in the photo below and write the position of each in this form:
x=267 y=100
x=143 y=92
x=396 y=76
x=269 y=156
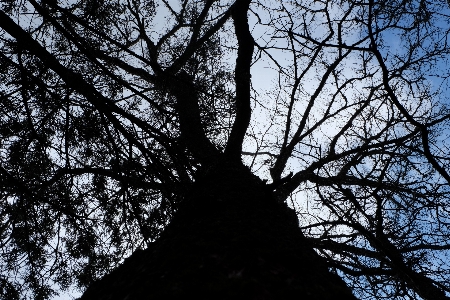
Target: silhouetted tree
x=220 y=142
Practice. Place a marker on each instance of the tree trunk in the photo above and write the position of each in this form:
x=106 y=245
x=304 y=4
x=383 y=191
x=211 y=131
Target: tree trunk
x=230 y=239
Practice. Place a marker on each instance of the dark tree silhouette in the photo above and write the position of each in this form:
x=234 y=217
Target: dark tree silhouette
x=230 y=149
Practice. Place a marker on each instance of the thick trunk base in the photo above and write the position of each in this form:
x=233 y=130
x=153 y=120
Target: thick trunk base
x=229 y=240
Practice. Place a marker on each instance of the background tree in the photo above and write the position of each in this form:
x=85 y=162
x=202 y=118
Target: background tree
x=112 y=109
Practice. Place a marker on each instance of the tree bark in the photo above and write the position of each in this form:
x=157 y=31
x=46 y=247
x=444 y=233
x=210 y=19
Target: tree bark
x=230 y=239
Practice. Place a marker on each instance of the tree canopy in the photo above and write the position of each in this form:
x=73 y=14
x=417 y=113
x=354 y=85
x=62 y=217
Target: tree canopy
x=110 y=110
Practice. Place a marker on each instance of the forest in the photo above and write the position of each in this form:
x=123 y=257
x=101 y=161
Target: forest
x=224 y=149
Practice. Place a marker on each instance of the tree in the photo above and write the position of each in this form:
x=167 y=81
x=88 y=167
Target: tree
x=131 y=125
